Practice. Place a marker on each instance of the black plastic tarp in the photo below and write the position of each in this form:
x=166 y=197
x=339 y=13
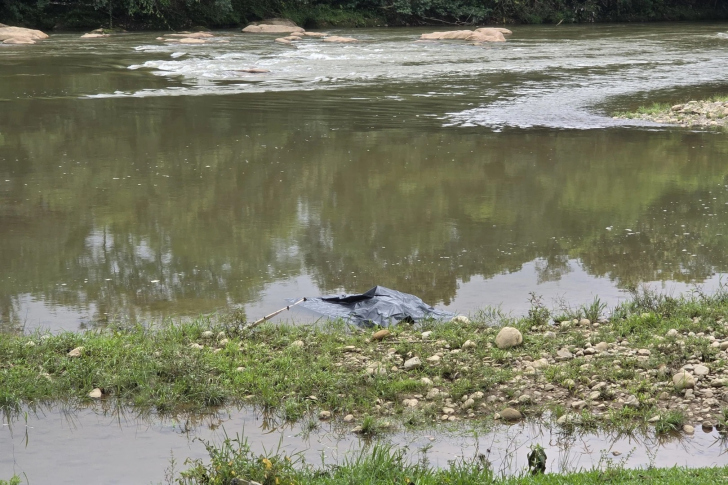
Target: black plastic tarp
x=378 y=306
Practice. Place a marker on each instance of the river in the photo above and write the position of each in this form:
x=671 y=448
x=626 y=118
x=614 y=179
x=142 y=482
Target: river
x=143 y=181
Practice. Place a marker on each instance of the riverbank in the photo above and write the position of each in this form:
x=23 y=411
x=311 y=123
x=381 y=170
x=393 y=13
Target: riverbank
x=712 y=112
x=141 y=15
x=656 y=361
x=234 y=463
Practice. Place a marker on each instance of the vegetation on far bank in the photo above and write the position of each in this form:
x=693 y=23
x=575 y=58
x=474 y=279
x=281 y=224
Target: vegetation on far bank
x=321 y=13
x=712 y=112
x=234 y=463
x=587 y=371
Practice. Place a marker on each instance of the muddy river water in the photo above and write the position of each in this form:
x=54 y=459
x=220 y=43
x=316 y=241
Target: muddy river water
x=142 y=180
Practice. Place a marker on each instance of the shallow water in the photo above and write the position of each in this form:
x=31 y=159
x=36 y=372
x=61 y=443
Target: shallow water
x=110 y=447
x=139 y=180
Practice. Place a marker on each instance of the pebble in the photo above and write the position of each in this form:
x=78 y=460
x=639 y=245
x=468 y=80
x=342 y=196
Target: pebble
x=76 y=352
x=701 y=370
x=683 y=380
x=381 y=335
x=412 y=363
x=510 y=414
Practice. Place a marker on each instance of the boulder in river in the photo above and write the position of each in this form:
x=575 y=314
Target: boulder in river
x=195 y=35
x=273 y=26
x=94 y=36
x=502 y=30
x=480 y=35
x=315 y=34
x=20 y=35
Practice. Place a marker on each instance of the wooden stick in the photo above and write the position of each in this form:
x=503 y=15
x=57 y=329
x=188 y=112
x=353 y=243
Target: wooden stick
x=258 y=322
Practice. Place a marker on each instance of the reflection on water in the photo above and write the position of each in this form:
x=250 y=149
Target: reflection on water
x=138 y=207
x=54 y=446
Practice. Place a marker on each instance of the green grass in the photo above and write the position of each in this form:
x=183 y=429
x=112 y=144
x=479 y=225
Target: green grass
x=157 y=369
x=234 y=462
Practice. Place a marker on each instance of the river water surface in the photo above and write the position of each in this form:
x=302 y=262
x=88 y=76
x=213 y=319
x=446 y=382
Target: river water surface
x=142 y=180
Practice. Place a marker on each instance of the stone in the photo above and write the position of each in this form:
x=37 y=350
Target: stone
x=594 y=395
x=348 y=418
x=469 y=403
x=724 y=345
x=540 y=363
x=549 y=335
x=381 y=335
x=477 y=395
x=469 y=344
x=20 y=35
x=95 y=394
x=584 y=322
x=479 y=35
x=410 y=403
x=508 y=337
x=433 y=359
x=569 y=383
x=30 y=343
x=196 y=346
x=510 y=414
x=342 y=40
x=324 y=415
x=427 y=381
x=240 y=369
x=283 y=40
x=632 y=402
x=664 y=396
x=653 y=419
x=207 y=334
x=412 y=363
x=578 y=405
x=426 y=335
x=563 y=354
x=432 y=393
x=448 y=410
x=643 y=352
x=671 y=333
x=687 y=429
x=76 y=352
x=265 y=27
x=94 y=36
x=192 y=41
x=189 y=35
x=224 y=342
x=701 y=370
x=315 y=34
x=683 y=380
x=460 y=319
x=297 y=344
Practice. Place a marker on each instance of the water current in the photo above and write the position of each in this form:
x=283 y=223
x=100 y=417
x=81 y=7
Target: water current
x=141 y=180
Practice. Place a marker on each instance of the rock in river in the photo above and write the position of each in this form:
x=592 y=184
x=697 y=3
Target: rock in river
x=20 y=35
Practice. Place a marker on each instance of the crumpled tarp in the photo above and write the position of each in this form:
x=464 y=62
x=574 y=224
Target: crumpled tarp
x=378 y=306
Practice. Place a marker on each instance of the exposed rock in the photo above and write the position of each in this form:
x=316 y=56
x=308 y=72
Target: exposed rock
x=192 y=41
x=508 y=337
x=380 y=335
x=451 y=35
x=643 y=352
x=540 y=363
x=410 y=403
x=324 y=415
x=671 y=333
x=602 y=346
x=433 y=359
x=196 y=35
x=687 y=429
x=469 y=344
x=348 y=418
x=343 y=40
x=426 y=335
x=76 y=352
x=433 y=393
x=20 y=35
x=283 y=40
x=510 y=414
x=273 y=26
x=469 y=403
x=95 y=394
x=94 y=36
x=412 y=363
x=632 y=402
x=683 y=380
x=315 y=34
x=426 y=381
x=584 y=322
x=563 y=354
x=578 y=405
x=461 y=319
x=701 y=370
